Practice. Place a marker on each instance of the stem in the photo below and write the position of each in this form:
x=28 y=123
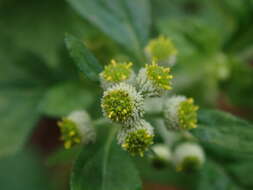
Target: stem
x=101 y=121
x=168 y=136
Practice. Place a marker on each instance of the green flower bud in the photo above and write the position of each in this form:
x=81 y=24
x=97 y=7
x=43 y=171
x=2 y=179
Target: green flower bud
x=180 y=113
x=188 y=157
x=115 y=73
x=122 y=104
x=137 y=139
x=76 y=128
x=162 y=153
x=154 y=80
x=163 y=50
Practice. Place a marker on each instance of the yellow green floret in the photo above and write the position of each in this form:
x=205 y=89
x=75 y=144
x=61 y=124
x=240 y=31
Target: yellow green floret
x=161 y=48
x=117 y=72
x=69 y=133
x=118 y=106
x=187 y=114
x=160 y=76
x=137 y=142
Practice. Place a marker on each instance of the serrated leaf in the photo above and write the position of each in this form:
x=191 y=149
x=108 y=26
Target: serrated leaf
x=127 y=22
x=84 y=59
x=104 y=168
x=224 y=130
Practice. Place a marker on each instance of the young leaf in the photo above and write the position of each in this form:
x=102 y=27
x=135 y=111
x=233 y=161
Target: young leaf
x=221 y=129
x=127 y=22
x=84 y=59
x=104 y=168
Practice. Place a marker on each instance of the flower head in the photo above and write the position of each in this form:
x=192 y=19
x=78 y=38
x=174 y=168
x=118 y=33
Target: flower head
x=76 y=128
x=122 y=104
x=115 y=73
x=154 y=80
x=180 y=113
x=136 y=140
x=163 y=50
x=188 y=157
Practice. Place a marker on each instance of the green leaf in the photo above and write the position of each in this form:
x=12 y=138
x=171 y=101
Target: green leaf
x=60 y=100
x=223 y=130
x=18 y=114
x=83 y=58
x=44 y=33
x=21 y=86
x=199 y=35
x=241 y=171
x=24 y=171
x=212 y=176
x=104 y=168
x=127 y=22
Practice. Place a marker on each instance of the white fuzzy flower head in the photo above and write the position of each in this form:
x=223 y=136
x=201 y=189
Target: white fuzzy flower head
x=115 y=73
x=137 y=139
x=163 y=50
x=162 y=152
x=122 y=104
x=188 y=157
x=154 y=80
x=76 y=128
x=180 y=113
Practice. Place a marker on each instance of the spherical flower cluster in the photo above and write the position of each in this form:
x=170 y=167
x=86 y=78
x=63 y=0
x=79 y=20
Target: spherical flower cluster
x=115 y=73
x=180 y=113
x=188 y=157
x=154 y=80
x=76 y=128
x=136 y=140
x=163 y=50
x=122 y=104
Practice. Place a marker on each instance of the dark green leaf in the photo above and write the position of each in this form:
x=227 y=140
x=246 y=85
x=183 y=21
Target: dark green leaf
x=127 y=22
x=241 y=171
x=212 y=176
x=83 y=58
x=224 y=130
x=109 y=168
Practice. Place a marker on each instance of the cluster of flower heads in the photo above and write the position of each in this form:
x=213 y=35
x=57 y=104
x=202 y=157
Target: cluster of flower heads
x=123 y=101
x=125 y=94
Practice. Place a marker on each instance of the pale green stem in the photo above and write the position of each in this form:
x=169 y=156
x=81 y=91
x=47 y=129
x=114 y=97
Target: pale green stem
x=168 y=136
